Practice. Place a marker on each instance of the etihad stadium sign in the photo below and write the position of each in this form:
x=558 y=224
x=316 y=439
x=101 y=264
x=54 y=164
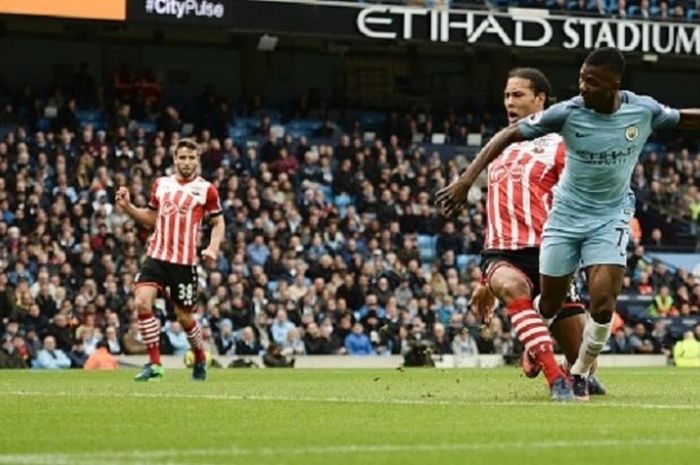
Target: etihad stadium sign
x=527 y=30
x=352 y=20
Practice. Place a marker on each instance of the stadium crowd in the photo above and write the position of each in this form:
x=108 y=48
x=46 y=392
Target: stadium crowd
x=333 y=242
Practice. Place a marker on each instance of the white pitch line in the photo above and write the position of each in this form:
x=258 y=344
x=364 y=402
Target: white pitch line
x=175 y=456
x=339 y=400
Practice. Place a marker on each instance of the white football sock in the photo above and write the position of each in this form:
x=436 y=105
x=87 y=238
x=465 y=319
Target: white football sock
x=595 y=336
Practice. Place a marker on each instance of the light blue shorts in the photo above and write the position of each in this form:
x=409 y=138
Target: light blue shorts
x=572 y=240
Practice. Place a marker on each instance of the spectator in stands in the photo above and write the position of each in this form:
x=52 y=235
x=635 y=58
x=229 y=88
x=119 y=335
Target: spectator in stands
x=464 y=344
x=686 y=353
x=77 y=354
x=9 y=356
x=61 y=332
x=131 y=341
x=102 y=359
x=177 y=338
x=225 y=339
x=663 y=304
x=640 y=341
x=619 y=342
x=357 y=342
x=663 y=342
x=644 y=10
x=112 y=340
x=280 y=327
x=293 y=344
x=51 y=357
x=441 y=342
x=248 y=344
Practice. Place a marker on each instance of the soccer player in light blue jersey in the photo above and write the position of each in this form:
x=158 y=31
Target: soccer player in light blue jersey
x=604 y=129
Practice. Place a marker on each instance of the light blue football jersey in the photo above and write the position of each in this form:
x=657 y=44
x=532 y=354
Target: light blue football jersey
x=601 y=149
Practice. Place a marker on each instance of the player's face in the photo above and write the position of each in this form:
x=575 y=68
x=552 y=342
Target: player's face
x=598 y=86
x=186 y=162
x=520 y=100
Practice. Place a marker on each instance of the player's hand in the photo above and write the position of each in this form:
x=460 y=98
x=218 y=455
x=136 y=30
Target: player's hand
x=453 y=197
x=209 y=256
x=484 y=302
x=122 y=198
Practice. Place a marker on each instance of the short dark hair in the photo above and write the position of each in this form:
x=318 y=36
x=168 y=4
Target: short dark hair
x=187 y=143
x=608 y=57
x=540 y=83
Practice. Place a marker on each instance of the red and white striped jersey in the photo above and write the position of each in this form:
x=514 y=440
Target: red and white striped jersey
x=520 y=183
x=181 y=207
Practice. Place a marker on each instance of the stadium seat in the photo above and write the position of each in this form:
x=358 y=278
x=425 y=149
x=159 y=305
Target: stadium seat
x=148 y=126
x=248 y=122
x=303 y=127
x=372 y=121
x=238 y=132
x=43 y=124
x=92 y=118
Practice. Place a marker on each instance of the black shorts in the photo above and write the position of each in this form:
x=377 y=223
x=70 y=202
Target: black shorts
x=525 y=260
x=178 y=282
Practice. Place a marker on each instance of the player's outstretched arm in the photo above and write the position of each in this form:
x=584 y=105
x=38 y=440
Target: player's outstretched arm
x=217 y=235
x=454 y=196
x=144 y=216
x=690 y=119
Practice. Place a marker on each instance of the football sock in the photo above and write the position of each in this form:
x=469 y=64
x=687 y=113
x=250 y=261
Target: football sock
x=149 y=328
x=534 y=336
x=595 y=335
x=194 y=336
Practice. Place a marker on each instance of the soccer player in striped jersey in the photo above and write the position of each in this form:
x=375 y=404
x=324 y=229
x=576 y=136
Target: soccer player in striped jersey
x=175 y=211
x=520 y=182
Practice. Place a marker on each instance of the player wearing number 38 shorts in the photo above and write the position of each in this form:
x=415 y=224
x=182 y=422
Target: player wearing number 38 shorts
x=176 y=208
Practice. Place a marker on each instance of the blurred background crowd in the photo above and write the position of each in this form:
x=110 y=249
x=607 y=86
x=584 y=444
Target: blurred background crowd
x=333 y=242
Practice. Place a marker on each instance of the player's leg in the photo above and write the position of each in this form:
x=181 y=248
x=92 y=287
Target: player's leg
x=512 y=287
x=553 y=294
x=149 y=326
x=183 y=287
x=567 y=329
x=603 y=256
x=194 y=336
x=559 y=258
x=604 y=284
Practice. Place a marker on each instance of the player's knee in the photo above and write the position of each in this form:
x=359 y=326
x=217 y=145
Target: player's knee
x=550 y=304
x=143 y=304
x=602 y=307
x=514 y=290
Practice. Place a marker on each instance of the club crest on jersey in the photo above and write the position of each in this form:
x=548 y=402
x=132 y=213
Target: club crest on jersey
x=631 y=133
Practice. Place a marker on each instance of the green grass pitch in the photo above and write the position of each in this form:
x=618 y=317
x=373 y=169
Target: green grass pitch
x=414 y=416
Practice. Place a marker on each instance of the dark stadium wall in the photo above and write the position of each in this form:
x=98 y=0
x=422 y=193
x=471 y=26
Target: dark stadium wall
x=184 y=70
x=40 y=61
x=358 y=75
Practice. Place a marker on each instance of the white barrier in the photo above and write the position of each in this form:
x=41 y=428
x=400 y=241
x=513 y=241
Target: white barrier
x=395 y=361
